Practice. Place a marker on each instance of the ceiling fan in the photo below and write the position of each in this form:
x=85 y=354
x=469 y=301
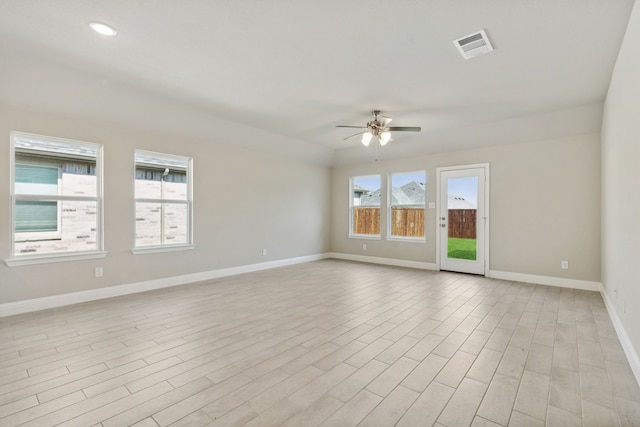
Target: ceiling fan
x=379 y=127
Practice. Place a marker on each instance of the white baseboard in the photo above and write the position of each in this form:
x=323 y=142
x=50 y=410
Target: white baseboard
x=384 y=261
x=630 y=352
x=36 y=304
x=546 y=280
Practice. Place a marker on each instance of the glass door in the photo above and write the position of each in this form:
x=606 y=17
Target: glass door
x=462 y=219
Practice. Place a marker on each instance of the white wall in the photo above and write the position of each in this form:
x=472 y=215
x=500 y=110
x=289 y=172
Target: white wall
x=545 y=206
x=621 y=185
x=244 y=200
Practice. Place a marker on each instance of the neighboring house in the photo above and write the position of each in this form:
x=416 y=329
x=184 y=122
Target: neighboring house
x=53 y=226
x=357 y=194
x=413 y=193
x=459 y=202
x=371 y=198
x=160 y=223
x=69 y=226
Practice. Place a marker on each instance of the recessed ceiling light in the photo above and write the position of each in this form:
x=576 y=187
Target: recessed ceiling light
x=103 y=29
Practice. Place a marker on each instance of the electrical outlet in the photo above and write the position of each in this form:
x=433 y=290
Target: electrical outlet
x=264 y=252
x=99 y=272
x=364 y=246
x=564 y=265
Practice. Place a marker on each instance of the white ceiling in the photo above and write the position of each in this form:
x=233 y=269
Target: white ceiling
x=298 y=68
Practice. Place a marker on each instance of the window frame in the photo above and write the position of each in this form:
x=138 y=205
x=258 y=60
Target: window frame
x=50 y=257
x=391 y=205
x=352 y=206
x=165 y=247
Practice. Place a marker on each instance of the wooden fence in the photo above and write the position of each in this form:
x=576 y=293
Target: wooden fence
x=405 y=222
x=409 y=222
x=462 y=223
x=366 y=220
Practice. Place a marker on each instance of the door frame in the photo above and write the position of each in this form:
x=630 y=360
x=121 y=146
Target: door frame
x=486 y=217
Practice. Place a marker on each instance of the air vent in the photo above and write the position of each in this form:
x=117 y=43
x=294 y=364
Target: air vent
x=473 y=45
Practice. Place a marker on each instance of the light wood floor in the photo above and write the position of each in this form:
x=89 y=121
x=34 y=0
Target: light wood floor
x=329 y=343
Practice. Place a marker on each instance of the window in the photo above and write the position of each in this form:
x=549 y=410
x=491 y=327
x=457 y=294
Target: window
x=163 y=201
x=407 y=194
x=56 y=198
x=365 y=206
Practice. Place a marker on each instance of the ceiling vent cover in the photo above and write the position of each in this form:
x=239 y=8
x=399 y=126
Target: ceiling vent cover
x=473 y=45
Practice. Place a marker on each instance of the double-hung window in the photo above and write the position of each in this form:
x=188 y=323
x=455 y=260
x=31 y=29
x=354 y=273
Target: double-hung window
x=364 y=204
x=56 y=192
x=163 y=193
x=407 y=195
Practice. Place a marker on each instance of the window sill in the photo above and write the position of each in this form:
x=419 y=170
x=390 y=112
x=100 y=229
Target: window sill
x=158 y=249
x=363 y=236
x=51 y=258
x=407 y=239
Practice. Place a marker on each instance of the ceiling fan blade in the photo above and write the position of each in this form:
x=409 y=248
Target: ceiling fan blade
x=384 y=121
x=354 y=127
x=355 y=134
x=404 y=129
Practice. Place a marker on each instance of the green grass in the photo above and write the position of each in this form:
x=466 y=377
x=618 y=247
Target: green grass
x=462 y=248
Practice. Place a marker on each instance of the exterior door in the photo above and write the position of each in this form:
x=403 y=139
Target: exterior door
x=463 y=219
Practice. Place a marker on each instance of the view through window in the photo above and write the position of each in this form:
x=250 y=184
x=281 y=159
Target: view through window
x=163 y=199
x=56 y=195
x=407 y=194
x=365 y=205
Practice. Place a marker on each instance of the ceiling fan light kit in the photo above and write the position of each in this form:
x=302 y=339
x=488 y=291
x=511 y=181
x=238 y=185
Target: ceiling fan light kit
x=378 y=127
x=384 y=138
x=366 y=138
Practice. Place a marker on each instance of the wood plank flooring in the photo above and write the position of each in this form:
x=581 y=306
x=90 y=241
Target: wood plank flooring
x=329 y=343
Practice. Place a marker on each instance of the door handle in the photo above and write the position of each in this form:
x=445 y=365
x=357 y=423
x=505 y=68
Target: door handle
x=443 y=225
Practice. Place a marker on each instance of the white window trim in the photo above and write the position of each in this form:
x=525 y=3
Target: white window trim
x=351 y=234
x=169 y=247
x=18 y=260
x=365 y=236
x=407 y=239
x=390 y=206
x=47 y=258
x=162 y=248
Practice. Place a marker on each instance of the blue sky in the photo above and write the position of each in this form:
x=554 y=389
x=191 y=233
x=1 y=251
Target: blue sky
x=373 y=182
x=401 y=179
x=466 y=187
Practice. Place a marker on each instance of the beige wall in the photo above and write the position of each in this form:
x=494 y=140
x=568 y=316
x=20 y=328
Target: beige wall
x=244 y=201
x=545 y=206
x=621 y=185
